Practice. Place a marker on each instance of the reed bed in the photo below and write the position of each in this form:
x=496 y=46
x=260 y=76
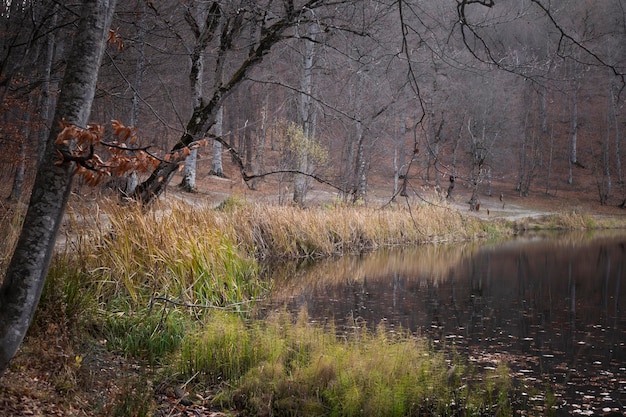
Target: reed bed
x=571 y=220
x=195 y=258
x=284 y=232
x=172 y=255
x=568 y=220
x=138 y=270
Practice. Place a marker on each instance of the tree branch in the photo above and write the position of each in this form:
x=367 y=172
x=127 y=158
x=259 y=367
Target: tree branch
x=204 y=306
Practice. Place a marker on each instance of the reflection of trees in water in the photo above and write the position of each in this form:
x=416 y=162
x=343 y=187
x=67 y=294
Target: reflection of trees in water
x=556 y=307
x=427 y=262
x=514 y=289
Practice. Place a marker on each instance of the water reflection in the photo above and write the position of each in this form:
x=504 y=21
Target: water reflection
x=551 y=307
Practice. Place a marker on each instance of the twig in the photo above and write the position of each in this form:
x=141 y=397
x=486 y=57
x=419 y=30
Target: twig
x=206 y=306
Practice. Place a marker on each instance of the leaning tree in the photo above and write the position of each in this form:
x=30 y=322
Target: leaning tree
x=26 y=273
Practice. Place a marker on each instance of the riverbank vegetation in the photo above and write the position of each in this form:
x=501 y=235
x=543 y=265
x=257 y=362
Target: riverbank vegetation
x=173 y=290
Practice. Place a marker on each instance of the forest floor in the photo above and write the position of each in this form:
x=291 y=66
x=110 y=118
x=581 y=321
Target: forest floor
x=51 y=376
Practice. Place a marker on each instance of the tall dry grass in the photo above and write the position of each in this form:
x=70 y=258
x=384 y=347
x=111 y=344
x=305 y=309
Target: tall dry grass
x=177 y=252
x=284 y=232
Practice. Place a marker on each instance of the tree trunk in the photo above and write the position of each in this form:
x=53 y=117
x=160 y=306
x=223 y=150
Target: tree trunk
x=550 y=157
x=614 y=113
x=574 y=155
x=248 y=141
x=20 y=170
x=395 y=171
x=131 y=181
x=299 y=182
x=188 y=182
x=26 y=273
x=259 y=160
x=362 y=175
x=347 y=168
x=202 y=32
x=573 y=159
x=399 y=157
x=47 y=101
x=217 y=168
x=307 y=118
x=606 y=168
x=360 y=168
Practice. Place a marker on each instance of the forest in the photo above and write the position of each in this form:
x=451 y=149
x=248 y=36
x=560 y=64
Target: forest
x=370 y=103
x=354 y=92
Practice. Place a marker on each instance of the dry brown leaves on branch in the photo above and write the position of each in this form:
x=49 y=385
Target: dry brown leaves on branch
x=86 y=148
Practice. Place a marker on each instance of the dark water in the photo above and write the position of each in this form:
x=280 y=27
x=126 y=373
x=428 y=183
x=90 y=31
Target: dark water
x=551 y=307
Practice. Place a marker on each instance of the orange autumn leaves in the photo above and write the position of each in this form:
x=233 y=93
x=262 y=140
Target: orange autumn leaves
x=97 y=159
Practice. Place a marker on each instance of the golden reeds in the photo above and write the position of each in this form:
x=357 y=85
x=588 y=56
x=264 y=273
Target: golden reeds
x=284 y=232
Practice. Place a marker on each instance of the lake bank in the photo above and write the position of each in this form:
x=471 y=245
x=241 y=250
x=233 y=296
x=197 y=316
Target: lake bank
x=359 y=235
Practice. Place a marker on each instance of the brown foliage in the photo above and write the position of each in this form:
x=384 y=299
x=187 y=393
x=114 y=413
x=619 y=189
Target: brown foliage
x=85 y=147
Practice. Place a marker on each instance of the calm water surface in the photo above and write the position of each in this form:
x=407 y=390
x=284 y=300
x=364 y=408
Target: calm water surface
x=551 y=307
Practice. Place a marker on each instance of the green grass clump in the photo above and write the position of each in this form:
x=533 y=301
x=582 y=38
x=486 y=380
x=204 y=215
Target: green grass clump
x=68 y=288
x=231 y=203
x=220 y=351
x=277 y=367
x=127 y=268
x=145 y=335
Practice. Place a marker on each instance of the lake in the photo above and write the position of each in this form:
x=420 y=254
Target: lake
x=551 y=306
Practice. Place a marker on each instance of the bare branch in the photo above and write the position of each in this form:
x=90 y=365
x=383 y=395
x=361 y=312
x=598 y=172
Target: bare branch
x=229 y=307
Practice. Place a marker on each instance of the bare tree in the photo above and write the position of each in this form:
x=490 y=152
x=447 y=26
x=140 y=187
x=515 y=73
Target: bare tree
x=203 y=19
x=306 y=112
x=270 y=24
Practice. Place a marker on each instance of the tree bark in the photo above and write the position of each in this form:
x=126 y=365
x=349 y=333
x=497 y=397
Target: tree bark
x=217 y=167
x=47 y=100
x=25 y=276
x=203 y=23
x=307 y=117
x=573 y=157
x=20 y=168
x=360 y=167
x=614 y=113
